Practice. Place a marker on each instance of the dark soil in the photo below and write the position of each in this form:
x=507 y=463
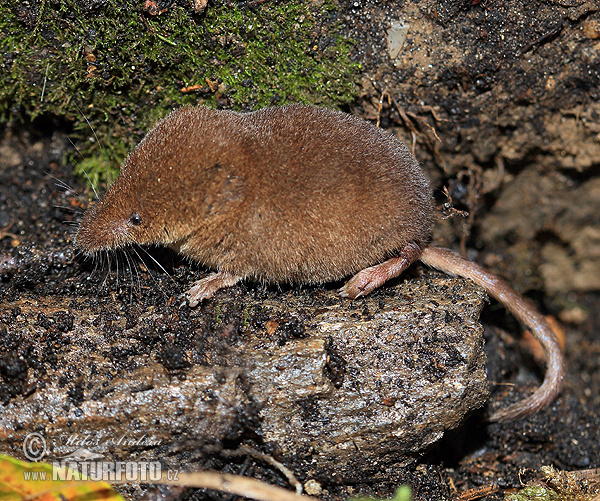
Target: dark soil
x=511 y=90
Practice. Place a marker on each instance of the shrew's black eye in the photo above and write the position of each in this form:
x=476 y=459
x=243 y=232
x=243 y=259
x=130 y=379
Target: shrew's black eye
x=135 y=219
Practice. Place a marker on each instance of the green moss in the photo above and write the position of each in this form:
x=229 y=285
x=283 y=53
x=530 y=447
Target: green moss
x=115 y=66
x=403 y=493
x=535 y=493
x=219 y=313
x=246 y=316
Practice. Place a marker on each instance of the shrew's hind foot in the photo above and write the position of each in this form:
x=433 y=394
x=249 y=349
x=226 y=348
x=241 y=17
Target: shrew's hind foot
x=206 y=288
x=367 y=280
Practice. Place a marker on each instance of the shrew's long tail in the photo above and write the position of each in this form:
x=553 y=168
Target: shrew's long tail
x=450 y=262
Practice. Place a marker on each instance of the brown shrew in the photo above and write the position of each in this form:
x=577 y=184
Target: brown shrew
x=291 y=194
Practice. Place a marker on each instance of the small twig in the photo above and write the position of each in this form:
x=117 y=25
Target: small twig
x=165 y=39
x=413 y=145
x=410 y=119
x=45 y=80
x=4 y=234
x=384 y=94
x=407 y=121
x=477 y=493
x=422 y=121
x=245 y=450
x=435 y=116
x=234 y=484
x=544 y=38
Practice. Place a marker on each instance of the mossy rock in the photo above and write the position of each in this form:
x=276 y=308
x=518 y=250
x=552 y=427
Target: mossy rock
x=114 y=69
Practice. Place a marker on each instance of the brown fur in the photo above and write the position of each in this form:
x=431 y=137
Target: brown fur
x=256 y=195
x=289 y=194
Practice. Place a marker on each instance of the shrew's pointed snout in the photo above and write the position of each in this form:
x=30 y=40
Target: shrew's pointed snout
x=97 y=231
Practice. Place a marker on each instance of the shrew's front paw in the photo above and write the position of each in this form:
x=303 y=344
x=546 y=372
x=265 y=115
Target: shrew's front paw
x=206 y=288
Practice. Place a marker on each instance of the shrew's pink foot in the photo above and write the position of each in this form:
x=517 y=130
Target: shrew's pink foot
x=206 y=288
x=367 y=280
